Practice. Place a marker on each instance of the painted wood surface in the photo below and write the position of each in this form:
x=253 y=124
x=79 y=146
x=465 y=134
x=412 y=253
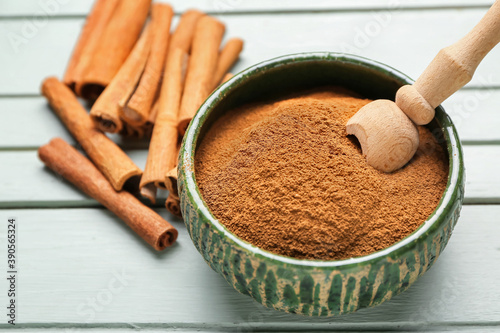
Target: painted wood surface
x=45 y=50
x=27 y=183
x=74 y=253
x=29 y=123
x=88 y=256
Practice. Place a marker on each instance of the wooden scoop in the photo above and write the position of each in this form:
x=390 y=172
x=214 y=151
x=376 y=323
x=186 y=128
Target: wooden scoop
x=388 y=137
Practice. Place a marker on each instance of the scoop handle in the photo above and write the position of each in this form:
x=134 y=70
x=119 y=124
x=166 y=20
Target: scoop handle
x=454 y=65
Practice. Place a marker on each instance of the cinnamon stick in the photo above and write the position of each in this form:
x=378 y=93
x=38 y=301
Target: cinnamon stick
x=202 y=64
x=162 y=152
x=73 y=166
x=116 y=166
x=126 y=131
x=173 y=205
x=162 y=148
x=154 y=112
x=137 y=109
x=164 y=161
x=106 y=110
x=88 y=41
x=149 y=125
x=227 y=77
x=142 y=131
x=171 y=180
x=133 y=132
x=183 y=36
x=228 y=56
x=115 y=43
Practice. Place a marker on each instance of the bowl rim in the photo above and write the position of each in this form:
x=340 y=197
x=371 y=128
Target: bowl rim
x=432 y=223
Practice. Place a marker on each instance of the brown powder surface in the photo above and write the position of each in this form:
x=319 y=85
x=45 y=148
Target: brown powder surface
x=284 y=176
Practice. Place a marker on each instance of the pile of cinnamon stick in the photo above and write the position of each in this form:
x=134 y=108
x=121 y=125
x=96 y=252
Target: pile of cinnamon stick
x=145 y=82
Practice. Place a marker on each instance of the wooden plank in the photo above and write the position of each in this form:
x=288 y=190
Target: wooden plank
x=475 y=114
x=400 y=39
x=26 y=183
x=82 y=7
x=68 y=259
x=29 y=123
x=482 y=176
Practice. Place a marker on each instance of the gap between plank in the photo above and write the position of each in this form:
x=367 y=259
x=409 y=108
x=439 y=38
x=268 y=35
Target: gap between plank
x=467 y=88
x=72 y=204
x=280 y=11
x=144 y=146
x=269 y=327
x=480 y=142
x=90 y=203
x=130 y=146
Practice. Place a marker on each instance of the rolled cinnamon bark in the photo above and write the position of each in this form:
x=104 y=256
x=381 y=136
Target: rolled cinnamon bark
x=88 y=41
x=140 y=132
x=162 y=155
x=173 y=205
x=126 y=131
x=183 y=36
x=162 y=148
x=228 y=56
x=116 y=166
x=115 y=43
x=73 y=166
x=149 y=125
x=202 y=64
x=171 y=180
x=143 y=131
x=227 y=77
x=154 y=112
x=136 y=110
x=106 y=110
x=133 y=132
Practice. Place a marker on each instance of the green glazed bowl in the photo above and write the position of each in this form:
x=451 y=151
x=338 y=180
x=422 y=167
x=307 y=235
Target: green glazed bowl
x=313 y=287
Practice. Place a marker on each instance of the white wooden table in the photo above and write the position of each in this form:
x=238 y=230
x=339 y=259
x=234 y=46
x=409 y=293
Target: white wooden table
x=81 y=268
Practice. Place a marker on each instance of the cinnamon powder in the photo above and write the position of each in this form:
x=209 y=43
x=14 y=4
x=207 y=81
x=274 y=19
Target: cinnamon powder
x=284 y=176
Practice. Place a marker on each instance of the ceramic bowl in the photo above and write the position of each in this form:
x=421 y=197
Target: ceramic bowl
x=313 y=287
